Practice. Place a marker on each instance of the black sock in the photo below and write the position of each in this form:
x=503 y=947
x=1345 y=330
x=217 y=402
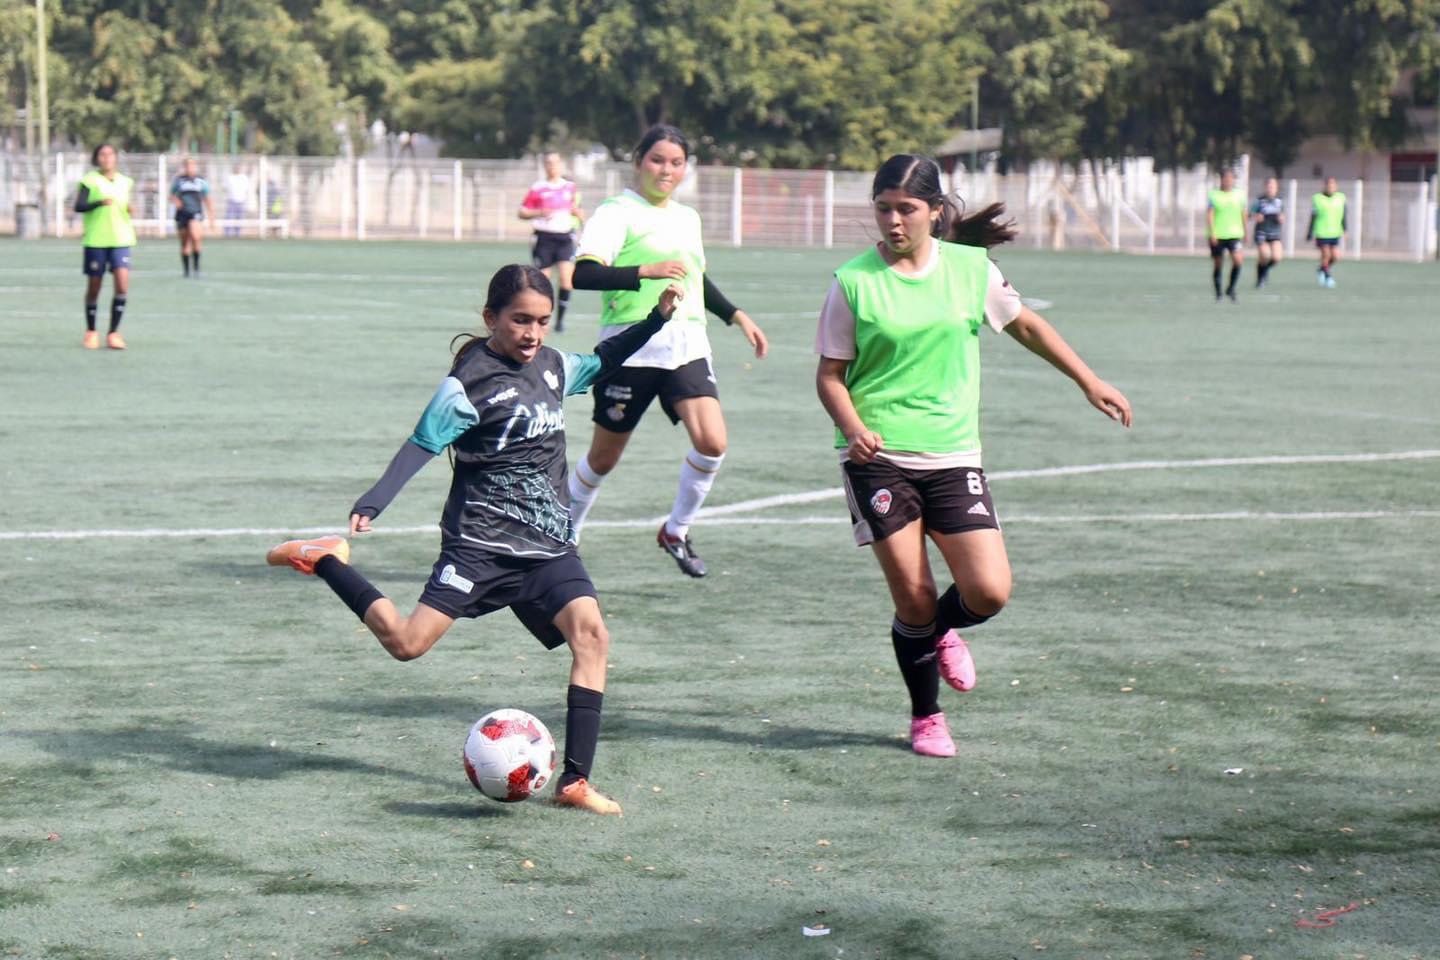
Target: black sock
x=185 y=262
x=90 y=316
x=1216 y=277
x=952 y=613
x=117 y=311
x=348 y=583
x=195 y=260
x=560 y=308
x=582 y=732
x=1234 y=278
x=1263 y=269
x=915 y=652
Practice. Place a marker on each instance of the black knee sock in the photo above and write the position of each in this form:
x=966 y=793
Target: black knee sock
x=1263 y=269
x=582 y=732
x=1234 y=278
x=348 y=583
x=185 y=262
x=117 y=311
x=915 y=652
x=952 y=614
x=195 y=261
x=561 y=307
x=1215 y=276
x=90 y=316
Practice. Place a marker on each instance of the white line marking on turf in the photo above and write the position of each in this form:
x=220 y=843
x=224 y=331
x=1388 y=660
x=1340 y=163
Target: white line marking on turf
x=716 y=515
x=813 y=496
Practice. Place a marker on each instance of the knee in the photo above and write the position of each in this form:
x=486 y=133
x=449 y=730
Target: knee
x=988 y=596
x=401 y=644
x=916 y=604
x=710 y=445
x=591 y=640
x=602 y=461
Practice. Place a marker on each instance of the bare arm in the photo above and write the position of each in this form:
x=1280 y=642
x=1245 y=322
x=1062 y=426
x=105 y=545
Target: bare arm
x=835 y=398
x=1043 y=340
x=530 y=213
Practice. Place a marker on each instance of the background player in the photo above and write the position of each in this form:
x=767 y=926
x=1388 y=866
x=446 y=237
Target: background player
x=1328 y=223
x=104 y=201
x=1225 y=220
x=191 y=195
x=633 y=246
x=899 y=375
x=506 y=538
x=1268 y=214
x=553 y=208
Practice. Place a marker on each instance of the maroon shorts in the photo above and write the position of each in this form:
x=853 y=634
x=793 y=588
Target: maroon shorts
x=884 y=498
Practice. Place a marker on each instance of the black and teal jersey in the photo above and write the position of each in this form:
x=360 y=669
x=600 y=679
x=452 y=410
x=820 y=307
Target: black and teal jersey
x=1269 y=210
x=505 y=424
x=192 y=192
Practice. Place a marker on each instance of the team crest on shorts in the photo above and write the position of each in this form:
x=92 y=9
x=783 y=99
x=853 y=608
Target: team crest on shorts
x=616 y=412
x=451 y=578
x=880 y=502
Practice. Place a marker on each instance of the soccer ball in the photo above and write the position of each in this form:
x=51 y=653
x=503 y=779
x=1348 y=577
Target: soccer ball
x=509 y=755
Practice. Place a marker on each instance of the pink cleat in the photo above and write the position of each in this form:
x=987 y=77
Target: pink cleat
x=930 y=737
x=956 y=666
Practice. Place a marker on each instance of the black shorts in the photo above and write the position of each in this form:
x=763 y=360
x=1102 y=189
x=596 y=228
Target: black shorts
x=1262 y=237
x=548 y=249
x=622 y=398
x=183 y=218
x=472 y=583
x=97 y=260
x=885 y=498
x=1231 y=244
x=1327 y=241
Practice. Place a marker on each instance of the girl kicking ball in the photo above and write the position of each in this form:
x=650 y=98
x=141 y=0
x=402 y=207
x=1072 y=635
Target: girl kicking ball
x=506 y=535
x=899 y=375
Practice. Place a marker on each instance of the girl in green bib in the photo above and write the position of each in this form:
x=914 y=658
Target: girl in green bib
x=899 y=375
x=1225 y=229
x=103 y=200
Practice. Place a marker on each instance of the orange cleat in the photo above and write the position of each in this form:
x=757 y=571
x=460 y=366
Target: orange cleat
x=114 y=341
x=580 y=794
x=92 y=340
x=302 y=554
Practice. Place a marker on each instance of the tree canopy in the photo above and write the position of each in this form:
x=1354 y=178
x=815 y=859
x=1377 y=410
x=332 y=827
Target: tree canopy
x=762 y=82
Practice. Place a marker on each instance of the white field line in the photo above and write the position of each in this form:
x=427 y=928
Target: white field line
x=725 y=515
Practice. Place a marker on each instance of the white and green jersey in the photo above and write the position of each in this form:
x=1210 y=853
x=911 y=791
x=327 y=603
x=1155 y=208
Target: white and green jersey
x=915 y=374
x=627 y=231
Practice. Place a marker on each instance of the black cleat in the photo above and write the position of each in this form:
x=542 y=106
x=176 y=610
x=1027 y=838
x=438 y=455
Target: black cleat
x=683 y=553
x=1231 y=295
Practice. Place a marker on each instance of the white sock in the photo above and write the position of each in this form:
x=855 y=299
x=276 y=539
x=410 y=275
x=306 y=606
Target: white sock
x=584 y=487
x=697 y=476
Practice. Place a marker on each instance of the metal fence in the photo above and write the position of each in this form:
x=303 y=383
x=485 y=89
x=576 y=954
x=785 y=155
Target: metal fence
x=1123 y=205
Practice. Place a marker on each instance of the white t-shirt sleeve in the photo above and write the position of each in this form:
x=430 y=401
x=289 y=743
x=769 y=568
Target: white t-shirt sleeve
x=604 y=235
x=835 y=337
x=1002 y=301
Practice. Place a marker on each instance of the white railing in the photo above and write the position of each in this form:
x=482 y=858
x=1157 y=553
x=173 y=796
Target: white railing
x=1123 y=205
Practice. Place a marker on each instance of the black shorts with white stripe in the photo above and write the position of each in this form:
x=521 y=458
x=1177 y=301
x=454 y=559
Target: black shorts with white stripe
x=884 y=498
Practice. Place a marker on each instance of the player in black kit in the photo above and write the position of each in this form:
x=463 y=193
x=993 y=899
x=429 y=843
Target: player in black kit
x=191 y=195
x=1268 y=215
x=506 y=536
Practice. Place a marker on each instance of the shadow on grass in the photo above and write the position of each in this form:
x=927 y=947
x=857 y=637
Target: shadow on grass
x=179 y=750
x=443 y=811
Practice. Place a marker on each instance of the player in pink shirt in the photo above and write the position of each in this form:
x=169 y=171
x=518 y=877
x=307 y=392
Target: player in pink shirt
x=553 y=208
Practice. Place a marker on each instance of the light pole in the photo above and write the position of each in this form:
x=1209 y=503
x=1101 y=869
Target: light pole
x=40 y=72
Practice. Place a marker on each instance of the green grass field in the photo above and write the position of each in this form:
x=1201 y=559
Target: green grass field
x=201 y=756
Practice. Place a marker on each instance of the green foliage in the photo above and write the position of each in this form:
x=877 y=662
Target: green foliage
x=763 y=82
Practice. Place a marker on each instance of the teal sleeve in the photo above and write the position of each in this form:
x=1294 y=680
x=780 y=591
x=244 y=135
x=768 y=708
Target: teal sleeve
x=449 y=414
x=581 y=370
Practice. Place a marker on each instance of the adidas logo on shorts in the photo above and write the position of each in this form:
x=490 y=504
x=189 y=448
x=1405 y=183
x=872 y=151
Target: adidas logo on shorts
x=979 y=510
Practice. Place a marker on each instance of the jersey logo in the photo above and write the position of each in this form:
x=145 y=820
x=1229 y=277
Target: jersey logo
x=881 y=501
x=450 y=578
x=539 y=422
x=552 y=381
x=503 y=395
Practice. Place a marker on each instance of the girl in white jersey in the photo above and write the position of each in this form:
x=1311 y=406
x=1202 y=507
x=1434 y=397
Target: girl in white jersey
x=899 y=375
x=633 y=246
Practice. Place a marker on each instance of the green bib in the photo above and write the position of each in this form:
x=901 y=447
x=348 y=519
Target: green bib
x=1229 y=207
x=1329 y=215
x=654 y=234
x=108 y=226
x=915 y=379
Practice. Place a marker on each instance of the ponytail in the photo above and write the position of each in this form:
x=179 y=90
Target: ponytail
x=982 y=229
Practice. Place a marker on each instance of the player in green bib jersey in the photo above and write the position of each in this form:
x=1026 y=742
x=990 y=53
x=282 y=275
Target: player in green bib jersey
x=1225 y=227
x=899 y=374
x=103 y=200
x=1328 y=223
x=633 y=246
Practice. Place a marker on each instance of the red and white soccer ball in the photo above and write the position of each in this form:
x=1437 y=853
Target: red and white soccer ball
x=509 y=755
